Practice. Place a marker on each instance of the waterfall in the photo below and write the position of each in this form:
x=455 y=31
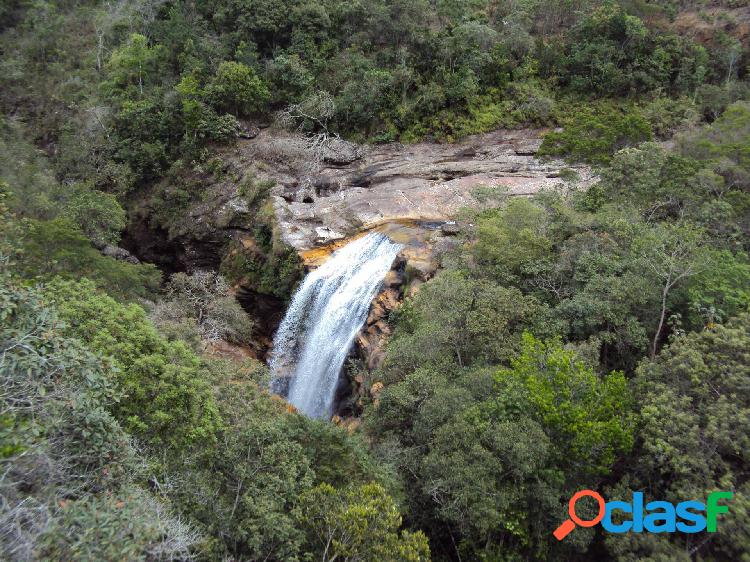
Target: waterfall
x=326 y=313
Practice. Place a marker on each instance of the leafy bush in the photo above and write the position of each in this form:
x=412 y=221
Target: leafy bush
x=693 y=431
x=245 y=491
x=594 y=133
x=669 y=116
x=510 y=239
x=588 y=418
x=359 y=523
x=236 y=88
x=99 y=216
x=480 y=325
x=612 y=52
x=203 y=299
x=58 y=248
x=130 y=526
x=166 y=399
x=68 y=453
x=274 y=270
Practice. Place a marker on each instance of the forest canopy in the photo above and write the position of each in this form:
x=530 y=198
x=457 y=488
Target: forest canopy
x=578 y=339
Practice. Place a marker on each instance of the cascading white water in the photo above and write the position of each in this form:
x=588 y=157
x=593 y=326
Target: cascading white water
x=326 y=313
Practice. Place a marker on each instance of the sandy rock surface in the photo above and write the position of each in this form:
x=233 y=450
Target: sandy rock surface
x=367 y=185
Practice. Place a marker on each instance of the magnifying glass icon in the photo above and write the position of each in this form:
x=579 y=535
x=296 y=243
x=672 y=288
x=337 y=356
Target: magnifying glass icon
x=569 y=524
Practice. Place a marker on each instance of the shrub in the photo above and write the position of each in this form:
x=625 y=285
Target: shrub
x=237 y=88
x=594 y=133
x=99 y=216
x=360 y=523
x=668 y=116
x=59 y=441
x=57 y=248
x=129 y=526
x=204 y=299
x=166 y=399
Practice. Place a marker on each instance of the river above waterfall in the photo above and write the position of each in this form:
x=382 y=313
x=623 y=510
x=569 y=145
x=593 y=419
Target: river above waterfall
x=323 y=319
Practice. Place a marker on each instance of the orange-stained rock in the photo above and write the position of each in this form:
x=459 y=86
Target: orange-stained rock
x=224 y=350
x=376 y=312
x=315 y=257
x=389 y=298
x=414 y=287
x=393 y=279
x=287 y=406
x=351 y=424
x=375 y=389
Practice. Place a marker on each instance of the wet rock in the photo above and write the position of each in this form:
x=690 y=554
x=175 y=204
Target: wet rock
x=267 y=311
x=389 y=299
x=393 y=279
x=381 y=307
x=372 y=339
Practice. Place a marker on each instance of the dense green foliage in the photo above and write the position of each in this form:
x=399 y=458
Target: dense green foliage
x=119 y=442
x=71 y=486
x=593 y=339
x=693 y=434
x=84 y=376
x=593 y=134
x=645 y=277
x=141 y=87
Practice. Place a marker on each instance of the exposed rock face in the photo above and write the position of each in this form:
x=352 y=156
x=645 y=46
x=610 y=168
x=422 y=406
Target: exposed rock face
x=357 y=187
x=413 y=266
x=323 y=198
x=704 y=23
x=267 y=312
x=411 y=193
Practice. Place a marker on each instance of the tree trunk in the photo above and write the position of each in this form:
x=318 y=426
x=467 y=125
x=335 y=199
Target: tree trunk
x=664 y=294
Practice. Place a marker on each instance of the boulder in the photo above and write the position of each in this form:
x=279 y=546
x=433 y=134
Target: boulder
x=325 y=235
x=393 y=279
x=450 y=228
x=339 y=152
x=119 y=254
x=422 y=269
x=248 y=132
